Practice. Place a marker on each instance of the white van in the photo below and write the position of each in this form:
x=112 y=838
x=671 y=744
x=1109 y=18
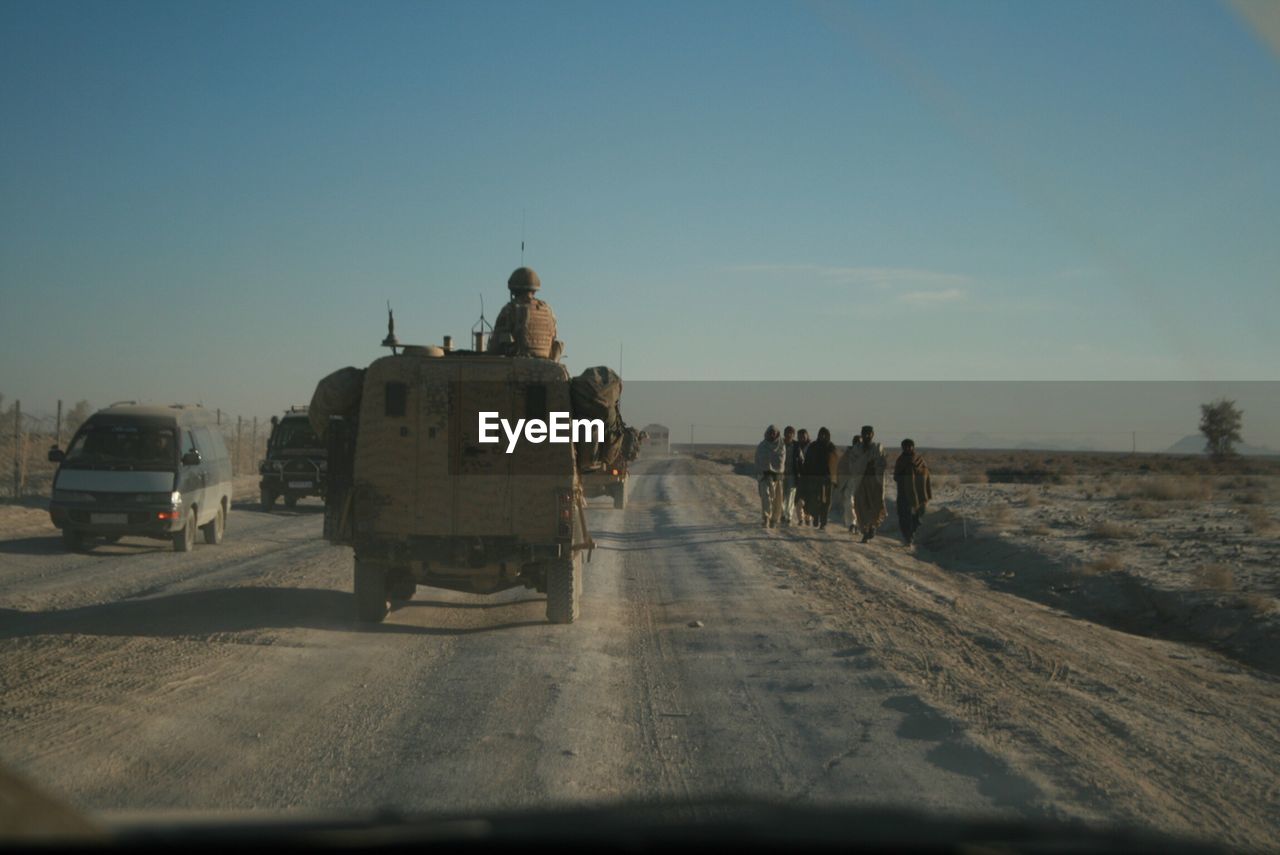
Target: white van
x=159 y=472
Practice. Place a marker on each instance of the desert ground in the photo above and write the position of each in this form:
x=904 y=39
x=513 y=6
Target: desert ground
x=1080 y=637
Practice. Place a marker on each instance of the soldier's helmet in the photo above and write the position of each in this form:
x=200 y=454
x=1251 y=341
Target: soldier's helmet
x=524 y=279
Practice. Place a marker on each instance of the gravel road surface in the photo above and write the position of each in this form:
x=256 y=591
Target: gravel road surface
x=712 y=658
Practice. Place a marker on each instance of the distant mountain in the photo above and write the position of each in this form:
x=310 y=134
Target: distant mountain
x=1194 y=444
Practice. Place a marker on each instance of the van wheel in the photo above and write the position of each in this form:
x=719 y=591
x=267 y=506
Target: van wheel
x=215 y=527
x=371 y=592
x=268 y=499
x=72 y=541
x=564 y=589
x=290 y=502
x=185 y=540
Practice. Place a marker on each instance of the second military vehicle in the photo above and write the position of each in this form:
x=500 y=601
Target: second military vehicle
x=296 y=464
x=423 y=501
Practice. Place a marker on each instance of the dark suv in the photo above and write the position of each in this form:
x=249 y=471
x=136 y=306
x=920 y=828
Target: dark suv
x=297 y=461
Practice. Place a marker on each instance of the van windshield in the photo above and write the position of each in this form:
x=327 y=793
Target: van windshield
x=123 y=446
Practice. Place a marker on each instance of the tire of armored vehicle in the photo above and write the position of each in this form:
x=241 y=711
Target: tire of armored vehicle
x=423 y=502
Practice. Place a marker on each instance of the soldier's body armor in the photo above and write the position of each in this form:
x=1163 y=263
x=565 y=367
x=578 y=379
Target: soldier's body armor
x=524 y=329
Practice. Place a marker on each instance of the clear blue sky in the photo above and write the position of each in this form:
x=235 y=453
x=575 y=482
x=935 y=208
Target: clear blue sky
x=214 y=200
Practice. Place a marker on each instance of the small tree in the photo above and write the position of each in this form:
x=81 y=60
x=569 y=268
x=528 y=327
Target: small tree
x=1220 y=423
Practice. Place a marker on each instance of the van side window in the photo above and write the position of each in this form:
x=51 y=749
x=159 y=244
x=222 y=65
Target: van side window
x=211 y=444
x=397 y=397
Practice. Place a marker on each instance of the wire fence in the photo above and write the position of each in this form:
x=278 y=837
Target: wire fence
x=26 y=437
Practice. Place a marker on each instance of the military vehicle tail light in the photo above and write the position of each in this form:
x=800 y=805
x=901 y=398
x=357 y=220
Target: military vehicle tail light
x=615 y=471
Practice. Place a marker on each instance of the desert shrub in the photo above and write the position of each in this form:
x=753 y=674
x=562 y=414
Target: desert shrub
x=1107 y=530
x=1257 y=603
x=1169 y=489
x=1104 y=564
x=1030 y=499
x=973 y=478
x=998 y=514
x=1140 y=509
x=1214 y=577
x=1023 y=475
x=1247 y=498
x=1259 y=521
x=1040 y=530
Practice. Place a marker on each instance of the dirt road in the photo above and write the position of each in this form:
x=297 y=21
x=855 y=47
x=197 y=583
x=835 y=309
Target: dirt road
x=712 y=657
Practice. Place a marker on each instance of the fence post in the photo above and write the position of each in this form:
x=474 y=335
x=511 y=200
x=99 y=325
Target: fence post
x=57 y=433
x=17 y=434
x=239 y=423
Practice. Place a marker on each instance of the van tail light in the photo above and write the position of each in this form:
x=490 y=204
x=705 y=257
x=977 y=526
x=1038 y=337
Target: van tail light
x=615 y=472
x=168 y=515
x=564 y=511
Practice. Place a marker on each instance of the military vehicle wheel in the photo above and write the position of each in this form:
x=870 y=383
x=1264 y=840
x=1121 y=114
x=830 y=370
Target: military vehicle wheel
x=185 y=540
x=564 y=589
x=268 y=499
x=72 y=540
x=111 y=538
x=401 y=587
x=290 y=502
x=371 y=592
x=215 y=527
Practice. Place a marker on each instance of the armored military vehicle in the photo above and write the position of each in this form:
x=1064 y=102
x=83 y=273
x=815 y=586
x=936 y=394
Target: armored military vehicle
x=423 y=501
x=296 y=463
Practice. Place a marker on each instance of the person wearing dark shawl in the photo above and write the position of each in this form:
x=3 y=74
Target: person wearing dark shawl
x=868 y=464
x=818 y=475
x=797 y=450
x=911 y=474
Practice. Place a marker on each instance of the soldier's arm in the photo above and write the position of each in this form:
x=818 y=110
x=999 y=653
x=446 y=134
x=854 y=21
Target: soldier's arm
x=501 y=331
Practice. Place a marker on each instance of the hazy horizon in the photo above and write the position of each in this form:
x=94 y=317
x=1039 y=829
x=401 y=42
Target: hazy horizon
x=214 y=201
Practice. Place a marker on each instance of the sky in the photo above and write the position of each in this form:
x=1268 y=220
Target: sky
x=214 y=201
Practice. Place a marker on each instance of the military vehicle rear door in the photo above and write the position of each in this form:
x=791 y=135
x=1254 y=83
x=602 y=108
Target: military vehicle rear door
x=482 y=500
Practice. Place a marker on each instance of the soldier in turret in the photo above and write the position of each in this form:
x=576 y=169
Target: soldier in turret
x=526 y=326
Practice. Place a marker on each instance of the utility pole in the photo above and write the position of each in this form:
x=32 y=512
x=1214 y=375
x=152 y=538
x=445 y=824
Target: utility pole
x=57 y=433
x=691 y=434
x=239 y=423
x=219 y=412
x=1135 y=442
x=253 y=444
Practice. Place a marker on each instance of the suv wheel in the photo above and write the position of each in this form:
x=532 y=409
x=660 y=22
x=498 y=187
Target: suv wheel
x=185 y=540
x=564 y=589
x=290 y=502
x=214 y=528
x=72 y=540
x=370 y=585
x=268 y=499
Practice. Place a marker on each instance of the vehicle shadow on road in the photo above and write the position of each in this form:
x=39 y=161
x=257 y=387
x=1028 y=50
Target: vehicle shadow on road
x=198 y=614
x=53 y=545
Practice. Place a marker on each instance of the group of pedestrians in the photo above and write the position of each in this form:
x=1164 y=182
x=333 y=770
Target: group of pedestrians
x=801 y=479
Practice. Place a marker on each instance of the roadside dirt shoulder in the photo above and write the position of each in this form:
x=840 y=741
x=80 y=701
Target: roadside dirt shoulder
x=1136 y=729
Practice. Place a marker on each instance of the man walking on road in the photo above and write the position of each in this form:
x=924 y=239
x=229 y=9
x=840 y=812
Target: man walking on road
x=868 y=465
x=914 y=490
x=845 y=483
x=788 y=474
x=818 y=476
x=798 y=449
x=770 y=464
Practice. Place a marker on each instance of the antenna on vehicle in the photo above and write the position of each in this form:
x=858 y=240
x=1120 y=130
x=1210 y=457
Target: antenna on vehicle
x=482 y=328
x=391 y=341
x=522 y=212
